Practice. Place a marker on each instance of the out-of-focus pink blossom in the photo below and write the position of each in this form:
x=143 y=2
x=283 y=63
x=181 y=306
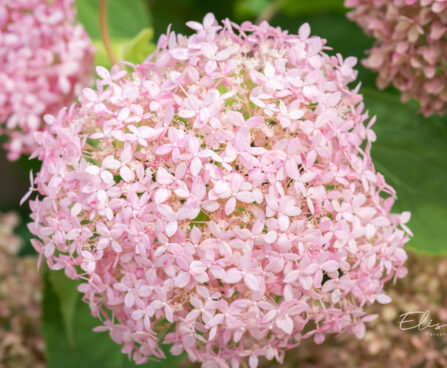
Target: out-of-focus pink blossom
x=45 y=59
x=221 y=197
x=410 y=48
x=21 y=343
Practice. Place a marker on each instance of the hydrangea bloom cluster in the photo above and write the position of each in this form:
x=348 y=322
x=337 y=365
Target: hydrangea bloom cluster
x=410 y=47
x=220 y=197
x=44 y=60
x=385 y=343
x=21 y=343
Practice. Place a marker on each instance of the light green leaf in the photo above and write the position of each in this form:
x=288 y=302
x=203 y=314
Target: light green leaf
x=67 y=295
x=411 y=152
x=101 y=57
x=137 y=49
x=133 y=50
x=128 y=22
x=118 y=45
x=125 y=17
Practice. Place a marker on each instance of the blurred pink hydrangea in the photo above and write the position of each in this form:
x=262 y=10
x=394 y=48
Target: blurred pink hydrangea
x=21 y=343
x=410 y=51
x=221 y=197
x=44 y=60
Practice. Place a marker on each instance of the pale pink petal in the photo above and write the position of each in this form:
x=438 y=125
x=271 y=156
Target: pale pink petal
x=111 y=163
x=171 y=228
x=230 y=206
x=233 y=276
x=180 y=53
x=252 y=282
x=127 y=174
x=196 y=166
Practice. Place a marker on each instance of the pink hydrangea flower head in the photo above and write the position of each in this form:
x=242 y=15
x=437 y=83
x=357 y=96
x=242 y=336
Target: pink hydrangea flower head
x=45 y=59
x=410 y=47
x=221 y=197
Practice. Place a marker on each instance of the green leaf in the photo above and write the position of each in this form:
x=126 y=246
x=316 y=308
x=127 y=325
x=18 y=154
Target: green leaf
x=90 y=349
x=101 y=57
x=67 y=294
x=137 y=49
x=118 y=46
x=25 y=235
x=291 y=8
x=128 y=22
x=125 y=17
x=411 y=152
x=250 y=8
x=133 y=50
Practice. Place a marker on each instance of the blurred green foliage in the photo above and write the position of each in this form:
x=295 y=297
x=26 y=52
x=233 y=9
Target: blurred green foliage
x=298 y=8
x=411 y=152
x=67 y=328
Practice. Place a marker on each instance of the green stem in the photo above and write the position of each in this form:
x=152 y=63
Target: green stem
x=104 y=29
x=270 y=11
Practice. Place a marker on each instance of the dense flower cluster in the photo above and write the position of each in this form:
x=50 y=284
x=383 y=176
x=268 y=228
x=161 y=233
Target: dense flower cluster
x=44 y=60
x=221 y=197
x=21 y=344
x=410 y=51
x=386 y=344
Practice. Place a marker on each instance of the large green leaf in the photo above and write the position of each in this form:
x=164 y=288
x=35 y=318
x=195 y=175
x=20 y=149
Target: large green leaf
x=88 y=349
x=67 y=295
x=411 y=152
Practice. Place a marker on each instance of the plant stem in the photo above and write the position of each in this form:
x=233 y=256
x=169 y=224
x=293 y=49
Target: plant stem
x=270 y=11
x=104 y=29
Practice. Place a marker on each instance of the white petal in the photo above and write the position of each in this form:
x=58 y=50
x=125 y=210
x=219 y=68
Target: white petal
x=127 y=174
x=251 y=282
x=171 y=228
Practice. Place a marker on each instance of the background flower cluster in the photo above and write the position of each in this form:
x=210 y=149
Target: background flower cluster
x=410 y=47
x=45 y=60
x=21 y=342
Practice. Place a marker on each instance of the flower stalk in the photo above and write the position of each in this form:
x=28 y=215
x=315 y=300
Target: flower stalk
x=104 y=29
